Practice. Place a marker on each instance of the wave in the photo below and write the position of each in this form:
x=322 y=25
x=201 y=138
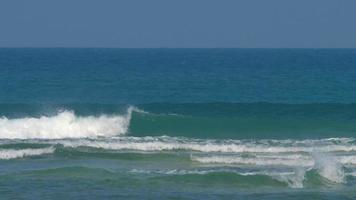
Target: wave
x=299 y=178
x=65 y=124
x=194 y=120
x=295 y=163
x=260 y=160
x=293 y=160
x=328 y=167
x=6 y=154
x=166 y=143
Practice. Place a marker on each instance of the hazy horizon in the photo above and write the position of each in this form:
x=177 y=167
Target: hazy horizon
x=102 y=47
x=183 y=24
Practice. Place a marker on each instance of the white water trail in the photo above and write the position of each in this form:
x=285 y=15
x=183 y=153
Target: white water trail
x=165 y=143
x=294 y=160
x=7 y=154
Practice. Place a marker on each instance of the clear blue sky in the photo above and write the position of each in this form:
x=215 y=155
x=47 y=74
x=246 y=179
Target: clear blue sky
x=178 y=23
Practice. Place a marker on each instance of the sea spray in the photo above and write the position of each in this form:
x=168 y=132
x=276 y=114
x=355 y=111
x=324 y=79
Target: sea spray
x=65 y=124
x=329 y=167
x=294 y=179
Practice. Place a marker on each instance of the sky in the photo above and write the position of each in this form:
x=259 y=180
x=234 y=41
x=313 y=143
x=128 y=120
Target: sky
x=178 y=23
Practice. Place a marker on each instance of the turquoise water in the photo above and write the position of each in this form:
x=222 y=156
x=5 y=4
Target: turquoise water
x=177 y=123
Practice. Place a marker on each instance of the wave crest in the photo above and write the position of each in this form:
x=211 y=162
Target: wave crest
x=7 y=154
x=64 y=125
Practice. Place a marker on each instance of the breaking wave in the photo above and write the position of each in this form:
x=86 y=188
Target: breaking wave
x=294 y=163
x=294 y=160
x=65 y=124
x=166 y=143
x=6 y=154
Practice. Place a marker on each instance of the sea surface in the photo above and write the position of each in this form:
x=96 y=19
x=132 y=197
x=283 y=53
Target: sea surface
x=177 y=123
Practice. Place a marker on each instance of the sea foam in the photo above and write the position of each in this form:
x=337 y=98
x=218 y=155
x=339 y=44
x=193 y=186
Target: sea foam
x=64 y=124
x=329 y=167
x=6 y=154
x=166 y=143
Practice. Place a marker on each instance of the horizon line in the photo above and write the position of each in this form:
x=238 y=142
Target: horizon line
x=101 y=47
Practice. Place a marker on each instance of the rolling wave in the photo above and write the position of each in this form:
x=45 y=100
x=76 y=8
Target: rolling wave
x=166 y=143
x=295 y=163
x=194 y=120
x=193 y=149
x=295 y=160
x=65 y=124
x=7 y=154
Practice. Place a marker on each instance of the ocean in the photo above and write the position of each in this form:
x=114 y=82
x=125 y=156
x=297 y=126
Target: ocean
x=95 y=123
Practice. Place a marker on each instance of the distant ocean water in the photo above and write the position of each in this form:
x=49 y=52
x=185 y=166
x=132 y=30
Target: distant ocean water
x=177 y=123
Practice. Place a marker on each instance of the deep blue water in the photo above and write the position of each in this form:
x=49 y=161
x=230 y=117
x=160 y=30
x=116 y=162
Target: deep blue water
x=177 y=75
x=177 y=123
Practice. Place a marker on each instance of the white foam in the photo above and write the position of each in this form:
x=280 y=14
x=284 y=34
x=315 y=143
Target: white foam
x=294 y=180
x=329 y=168
x=208 y=171
x=279 y=160
x=292 y=160
x=347 y=160
x=64 y=125
x=6 y=154
x=180 y=171
x=223 y=146
x=351 y=174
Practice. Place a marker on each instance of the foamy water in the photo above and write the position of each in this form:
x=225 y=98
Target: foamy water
x=6 y=154
x=65 y=124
